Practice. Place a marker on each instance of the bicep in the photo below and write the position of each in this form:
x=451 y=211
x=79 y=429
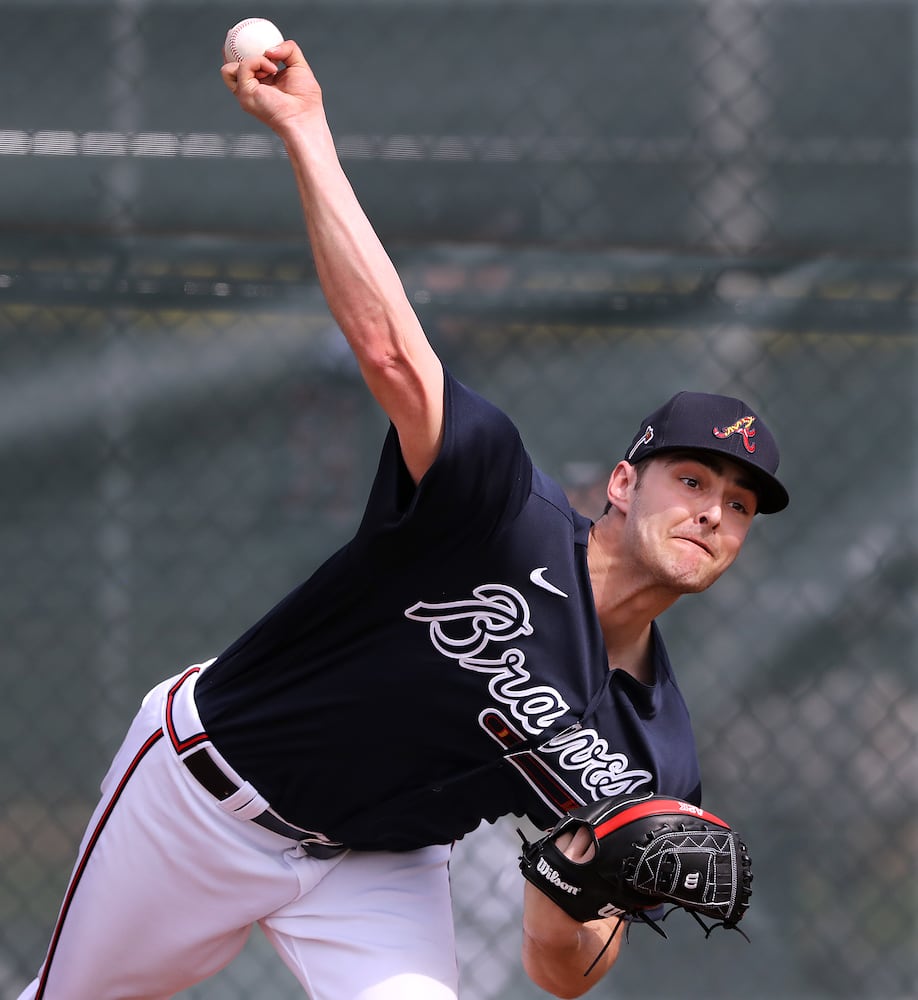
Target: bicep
x=419 y=419
x=409 y=388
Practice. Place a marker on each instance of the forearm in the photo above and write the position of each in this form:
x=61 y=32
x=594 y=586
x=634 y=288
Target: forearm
x=365 y=294
x=557 y=950
x=361 y=285
x=359 y=281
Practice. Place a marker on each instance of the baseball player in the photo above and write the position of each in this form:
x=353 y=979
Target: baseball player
x=477 y=649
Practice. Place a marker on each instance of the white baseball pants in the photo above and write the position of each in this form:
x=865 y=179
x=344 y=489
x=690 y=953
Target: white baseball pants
x=168 y=885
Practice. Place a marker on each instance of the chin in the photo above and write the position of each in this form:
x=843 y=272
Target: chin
x=691 y=580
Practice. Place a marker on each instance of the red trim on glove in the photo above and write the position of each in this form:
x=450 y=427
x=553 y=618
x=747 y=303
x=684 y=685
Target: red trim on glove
x=656 y=807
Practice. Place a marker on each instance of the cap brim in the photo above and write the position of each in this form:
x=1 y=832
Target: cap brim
x=772 y=496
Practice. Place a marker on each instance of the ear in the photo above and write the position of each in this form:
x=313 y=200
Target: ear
x=620 y=488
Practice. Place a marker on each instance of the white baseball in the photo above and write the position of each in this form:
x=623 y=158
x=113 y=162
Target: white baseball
x=250 y=37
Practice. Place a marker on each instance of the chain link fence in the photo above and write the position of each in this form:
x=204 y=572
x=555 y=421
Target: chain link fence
x=593 y=205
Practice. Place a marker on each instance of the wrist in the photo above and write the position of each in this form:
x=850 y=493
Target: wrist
x=546 y=924
x=305 y=135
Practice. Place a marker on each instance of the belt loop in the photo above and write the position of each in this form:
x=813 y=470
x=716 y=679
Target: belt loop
x=244 y=803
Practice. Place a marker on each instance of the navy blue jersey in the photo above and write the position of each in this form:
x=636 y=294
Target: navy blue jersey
x=446 y=665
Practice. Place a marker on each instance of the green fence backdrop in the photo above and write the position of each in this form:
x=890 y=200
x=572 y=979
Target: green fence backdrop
x=593 y=205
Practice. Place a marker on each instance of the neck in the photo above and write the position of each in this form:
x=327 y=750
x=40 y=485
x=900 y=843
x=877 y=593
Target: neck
x=626 y=604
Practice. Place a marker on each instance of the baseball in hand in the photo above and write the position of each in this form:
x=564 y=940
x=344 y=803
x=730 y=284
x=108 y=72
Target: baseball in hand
x=250 y=37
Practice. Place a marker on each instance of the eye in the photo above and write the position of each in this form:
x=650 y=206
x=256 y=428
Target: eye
x=690 y=481
x=739 y=507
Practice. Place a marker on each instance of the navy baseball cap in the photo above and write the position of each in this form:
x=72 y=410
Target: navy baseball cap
x=720 y=424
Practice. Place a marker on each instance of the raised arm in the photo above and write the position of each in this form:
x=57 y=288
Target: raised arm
x=359 y=281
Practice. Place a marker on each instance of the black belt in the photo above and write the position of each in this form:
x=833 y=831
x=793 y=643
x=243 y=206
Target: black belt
x=209 y=776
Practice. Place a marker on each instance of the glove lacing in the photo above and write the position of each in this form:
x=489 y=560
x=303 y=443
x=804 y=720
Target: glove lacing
x=707 y=928
x=635 y=915
x=655 y=925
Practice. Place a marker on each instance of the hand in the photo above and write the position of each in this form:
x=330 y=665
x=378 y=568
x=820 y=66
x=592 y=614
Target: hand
x=272 y=94
x=545 y=920
x=578 y=846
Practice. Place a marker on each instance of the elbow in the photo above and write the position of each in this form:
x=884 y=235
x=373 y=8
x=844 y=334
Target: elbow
x=563 y=991
x=384 y=360
x=378 y=351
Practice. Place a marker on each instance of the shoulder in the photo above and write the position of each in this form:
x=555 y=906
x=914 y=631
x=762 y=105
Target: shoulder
x=551 y=492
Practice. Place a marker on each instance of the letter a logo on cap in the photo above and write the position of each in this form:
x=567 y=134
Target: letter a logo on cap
x=742 y=426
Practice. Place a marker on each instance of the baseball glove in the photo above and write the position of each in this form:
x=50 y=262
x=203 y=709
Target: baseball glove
x=647 y=851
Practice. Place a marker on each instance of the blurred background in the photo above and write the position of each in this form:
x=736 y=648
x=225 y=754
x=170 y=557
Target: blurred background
x=592 y=205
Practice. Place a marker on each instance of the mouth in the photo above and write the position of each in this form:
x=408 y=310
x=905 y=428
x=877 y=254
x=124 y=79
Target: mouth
x=698 y=542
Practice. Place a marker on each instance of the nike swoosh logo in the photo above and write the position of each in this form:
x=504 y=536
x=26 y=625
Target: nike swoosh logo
x=538 y=578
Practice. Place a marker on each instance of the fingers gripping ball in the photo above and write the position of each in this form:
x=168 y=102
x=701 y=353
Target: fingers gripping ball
x=647 y=851
x=251 y=37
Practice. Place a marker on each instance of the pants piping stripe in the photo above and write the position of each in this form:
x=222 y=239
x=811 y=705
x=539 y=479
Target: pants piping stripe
x=78 y=874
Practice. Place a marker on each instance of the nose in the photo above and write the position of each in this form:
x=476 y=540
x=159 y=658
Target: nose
x=711 y=516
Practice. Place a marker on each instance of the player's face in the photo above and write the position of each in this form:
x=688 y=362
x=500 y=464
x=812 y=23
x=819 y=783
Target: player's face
x=689 y=517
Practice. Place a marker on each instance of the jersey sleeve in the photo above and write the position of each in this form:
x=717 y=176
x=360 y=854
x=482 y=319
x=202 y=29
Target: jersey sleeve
x=479 y=481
